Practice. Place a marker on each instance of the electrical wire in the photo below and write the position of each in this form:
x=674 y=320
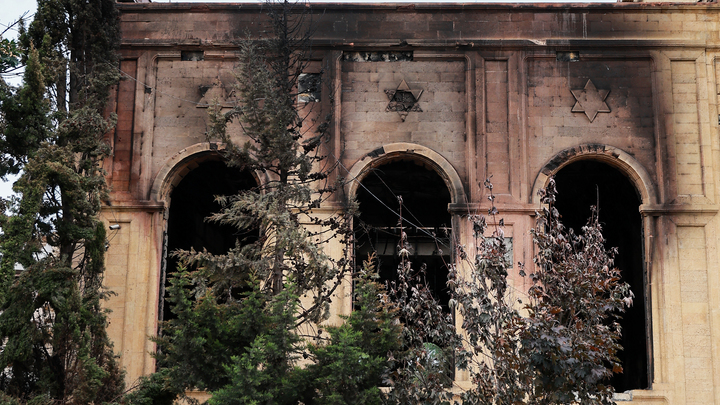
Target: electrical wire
x=397 y=214
x=420 y=227
x=405 y=208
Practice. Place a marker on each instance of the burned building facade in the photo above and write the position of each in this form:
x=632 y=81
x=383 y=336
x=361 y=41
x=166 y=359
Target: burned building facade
x=618 y=101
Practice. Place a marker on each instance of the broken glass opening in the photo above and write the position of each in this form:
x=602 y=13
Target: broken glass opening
x=567 y=56
x=402 y=101
x=387 y=56
x=192 y=55
x=309 y=87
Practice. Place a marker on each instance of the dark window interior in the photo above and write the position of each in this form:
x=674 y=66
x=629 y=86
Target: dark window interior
x=586 y=183
x=192 y=201
x=309 y=87
x=426 y=221
x=192 y=55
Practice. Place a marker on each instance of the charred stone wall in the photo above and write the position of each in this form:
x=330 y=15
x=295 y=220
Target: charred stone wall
x=516 y=92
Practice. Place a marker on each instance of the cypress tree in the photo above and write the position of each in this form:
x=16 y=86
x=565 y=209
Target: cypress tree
x=53 y=326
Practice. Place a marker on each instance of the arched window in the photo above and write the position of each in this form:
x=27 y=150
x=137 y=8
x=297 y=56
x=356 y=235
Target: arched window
x=425 y=219
x=580 y=185
x=191 y=202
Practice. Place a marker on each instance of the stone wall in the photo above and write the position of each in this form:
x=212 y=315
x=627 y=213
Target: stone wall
x=513 y=91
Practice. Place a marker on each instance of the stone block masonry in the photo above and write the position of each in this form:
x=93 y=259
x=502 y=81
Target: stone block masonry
x=495 y=95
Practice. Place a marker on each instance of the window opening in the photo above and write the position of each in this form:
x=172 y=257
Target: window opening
x=193 y=200
x=568 y=56
x=579 y=186
x=381 y=56
x=309 y=87
x=192 y=55
x=426 y=221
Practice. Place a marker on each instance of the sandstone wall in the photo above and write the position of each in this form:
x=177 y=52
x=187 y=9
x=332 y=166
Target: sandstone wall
x=512 y=91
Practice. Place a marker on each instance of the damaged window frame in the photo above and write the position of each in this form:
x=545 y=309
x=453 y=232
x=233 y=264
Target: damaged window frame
x=192 y=56
x=378 y=56
x=309 y=87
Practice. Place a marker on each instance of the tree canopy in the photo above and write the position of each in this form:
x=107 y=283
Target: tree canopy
x=247 y=324
x=56 y=349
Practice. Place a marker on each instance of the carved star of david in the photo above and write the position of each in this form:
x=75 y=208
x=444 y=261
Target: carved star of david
x=590 y=100
x=403 y=100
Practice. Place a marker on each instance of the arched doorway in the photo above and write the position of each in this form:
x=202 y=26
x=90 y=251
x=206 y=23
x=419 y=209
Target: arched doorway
x=191 y=202
x=582 y=184
x=425 y=219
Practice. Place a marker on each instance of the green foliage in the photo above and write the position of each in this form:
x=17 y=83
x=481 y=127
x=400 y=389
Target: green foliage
x=9 y=55
x=243 y=351
x=56 y=347
x=26 y=117
x=246 y=349
x=349 y=368
x=207 y=332
x=77 y=42
x=266 y=371
x=154 y=389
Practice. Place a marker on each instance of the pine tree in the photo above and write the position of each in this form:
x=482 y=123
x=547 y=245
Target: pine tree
x=349 y=368
x=53 y=326
x=287 y=146
x=242 y=319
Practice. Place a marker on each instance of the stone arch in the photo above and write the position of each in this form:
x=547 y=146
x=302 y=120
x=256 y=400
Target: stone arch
x=180 y=164
x=428 y=184
x=611 y=155
x=589 y=173
x=390 y=152
x=191 y=179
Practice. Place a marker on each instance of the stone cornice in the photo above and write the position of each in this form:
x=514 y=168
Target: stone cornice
x=134 y=206
x=464 y=44
x=425 y=7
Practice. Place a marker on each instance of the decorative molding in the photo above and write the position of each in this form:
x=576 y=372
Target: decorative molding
x=135 y=206
x=674 y=209
x=616 y=157
x=392 y=151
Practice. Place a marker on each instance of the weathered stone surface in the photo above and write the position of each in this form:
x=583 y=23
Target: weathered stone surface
x=496 y=100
